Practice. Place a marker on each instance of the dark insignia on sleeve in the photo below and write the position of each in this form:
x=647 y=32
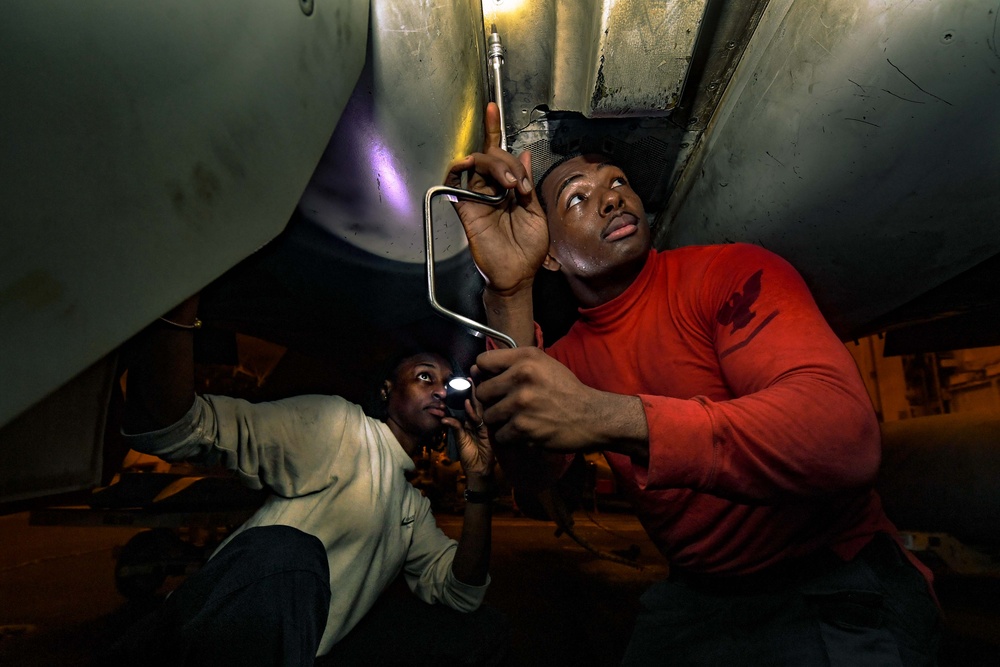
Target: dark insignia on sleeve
x=736 y=310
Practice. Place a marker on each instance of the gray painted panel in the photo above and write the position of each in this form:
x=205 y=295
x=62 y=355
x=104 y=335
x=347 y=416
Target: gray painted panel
x=860 y=141
x=147 y=148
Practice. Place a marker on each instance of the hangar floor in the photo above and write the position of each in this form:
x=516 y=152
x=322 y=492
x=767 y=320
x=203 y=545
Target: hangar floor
x=58 y=602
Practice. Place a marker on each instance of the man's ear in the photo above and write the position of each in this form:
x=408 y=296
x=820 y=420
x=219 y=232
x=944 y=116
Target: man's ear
x=386 y=390
x=551 y=263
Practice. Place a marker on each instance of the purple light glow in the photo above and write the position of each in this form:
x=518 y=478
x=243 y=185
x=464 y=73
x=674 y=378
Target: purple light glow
x=391 y=186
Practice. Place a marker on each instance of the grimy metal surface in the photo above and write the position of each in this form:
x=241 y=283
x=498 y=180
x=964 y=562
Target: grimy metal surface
x=147 y=148
x=601 y=58
x=860 y=141
x=419 y=105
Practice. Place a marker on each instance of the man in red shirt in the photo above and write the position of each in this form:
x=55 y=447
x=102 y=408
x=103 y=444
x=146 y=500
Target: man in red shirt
x=732 y=416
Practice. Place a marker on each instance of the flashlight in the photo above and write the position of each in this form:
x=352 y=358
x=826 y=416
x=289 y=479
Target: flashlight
x=456 y=391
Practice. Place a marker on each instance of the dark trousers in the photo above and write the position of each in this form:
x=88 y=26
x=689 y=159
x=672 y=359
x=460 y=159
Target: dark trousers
x=874 y=610
x=401 y=629
x=263 y=600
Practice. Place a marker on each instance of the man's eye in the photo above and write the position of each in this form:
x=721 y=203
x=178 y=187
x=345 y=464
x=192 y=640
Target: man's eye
x=618 y=182
x=574 y=200
x=425 y=376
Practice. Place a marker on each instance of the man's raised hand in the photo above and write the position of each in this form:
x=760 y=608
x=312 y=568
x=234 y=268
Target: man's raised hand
x=509 y=241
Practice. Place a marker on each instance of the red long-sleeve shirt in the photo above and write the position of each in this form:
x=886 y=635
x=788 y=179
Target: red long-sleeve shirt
x=763 y=443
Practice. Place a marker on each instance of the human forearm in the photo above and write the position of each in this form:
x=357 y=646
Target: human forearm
x=472 y=557
x=160 y=385
x=512 y=314
x=801 y=439
x=617 y=423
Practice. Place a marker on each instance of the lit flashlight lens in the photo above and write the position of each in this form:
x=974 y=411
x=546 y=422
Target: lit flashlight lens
x=458 y=390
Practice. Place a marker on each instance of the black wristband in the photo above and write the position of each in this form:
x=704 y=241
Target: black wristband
x=480 y=497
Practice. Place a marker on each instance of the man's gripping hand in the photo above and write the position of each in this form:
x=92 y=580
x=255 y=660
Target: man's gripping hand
x=509 y=241
x=533 y=399
x=474 y=449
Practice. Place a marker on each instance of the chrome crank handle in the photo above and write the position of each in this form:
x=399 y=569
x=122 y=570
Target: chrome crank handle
x=476 y=328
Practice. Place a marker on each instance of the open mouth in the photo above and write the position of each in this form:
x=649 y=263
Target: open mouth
x=621 y=226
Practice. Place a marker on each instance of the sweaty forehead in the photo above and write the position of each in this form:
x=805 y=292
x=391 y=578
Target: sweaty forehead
x=562 y=174
x=425 y=361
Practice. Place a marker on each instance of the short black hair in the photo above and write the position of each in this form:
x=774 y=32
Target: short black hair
x=389 y=370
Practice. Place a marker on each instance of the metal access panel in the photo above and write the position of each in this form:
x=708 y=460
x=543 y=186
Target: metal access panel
x=601 y=58
x=860 y=142
x=147 y=148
